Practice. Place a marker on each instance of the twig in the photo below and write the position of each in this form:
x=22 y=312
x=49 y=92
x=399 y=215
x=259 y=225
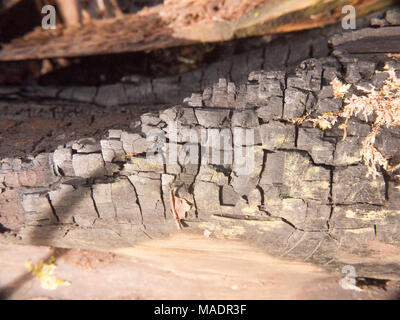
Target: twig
x=394 y=167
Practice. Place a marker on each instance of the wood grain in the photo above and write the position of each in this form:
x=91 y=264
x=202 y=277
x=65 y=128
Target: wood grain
x=177 y=23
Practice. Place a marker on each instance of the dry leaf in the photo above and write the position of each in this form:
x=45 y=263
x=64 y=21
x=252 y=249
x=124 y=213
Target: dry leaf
x=384 y=103
x=339 y=89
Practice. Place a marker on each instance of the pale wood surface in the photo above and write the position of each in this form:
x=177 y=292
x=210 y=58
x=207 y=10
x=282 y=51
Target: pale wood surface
x=185 y=266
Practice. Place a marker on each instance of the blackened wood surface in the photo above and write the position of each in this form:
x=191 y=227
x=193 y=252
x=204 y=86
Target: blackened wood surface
x=369 y=40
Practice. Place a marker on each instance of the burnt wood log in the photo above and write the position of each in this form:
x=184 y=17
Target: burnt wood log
x=73 y=170
x=369 y=40
x=305 y=197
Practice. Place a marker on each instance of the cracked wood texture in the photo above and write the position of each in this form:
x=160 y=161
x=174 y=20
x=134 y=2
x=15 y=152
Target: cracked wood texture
x=177 y=23
x=306 y=197
x=85 y=183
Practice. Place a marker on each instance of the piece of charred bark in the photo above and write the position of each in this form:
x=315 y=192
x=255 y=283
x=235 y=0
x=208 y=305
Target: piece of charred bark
x=369 y=41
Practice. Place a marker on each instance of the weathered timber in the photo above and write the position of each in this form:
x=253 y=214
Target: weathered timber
x=306 y=195
x=170 y=25
x=86 y=183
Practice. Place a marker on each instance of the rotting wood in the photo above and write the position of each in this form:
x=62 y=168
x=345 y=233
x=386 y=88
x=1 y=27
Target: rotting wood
x=177 y=23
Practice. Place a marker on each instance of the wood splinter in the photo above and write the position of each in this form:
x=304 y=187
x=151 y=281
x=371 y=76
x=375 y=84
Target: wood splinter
x=179 y=208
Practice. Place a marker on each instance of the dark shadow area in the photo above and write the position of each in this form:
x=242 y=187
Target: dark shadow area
x=133 y=6
x=366 y=282
x=3 y=229
x=105 y=69
x=7 y=292
x=20 y=19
